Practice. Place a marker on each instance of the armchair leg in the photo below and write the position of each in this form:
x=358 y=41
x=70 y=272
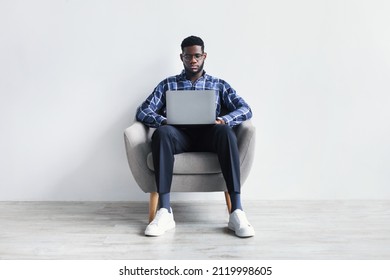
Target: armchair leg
x=228 y=202
x=153 y=202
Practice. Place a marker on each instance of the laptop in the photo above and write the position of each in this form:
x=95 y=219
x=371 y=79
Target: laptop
x=190 y=107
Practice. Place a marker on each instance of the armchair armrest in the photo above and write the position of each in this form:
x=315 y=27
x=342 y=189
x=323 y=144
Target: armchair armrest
x=138 y=146
x=246 y=137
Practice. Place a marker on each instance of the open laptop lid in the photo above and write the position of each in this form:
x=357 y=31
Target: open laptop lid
x=191 y=107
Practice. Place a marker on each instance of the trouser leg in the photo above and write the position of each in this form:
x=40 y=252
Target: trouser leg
x=222 y=140
x=225 y=142
x=166 y=142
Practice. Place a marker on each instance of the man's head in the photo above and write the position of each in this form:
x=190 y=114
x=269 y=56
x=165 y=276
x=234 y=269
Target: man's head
x=192 y=41
x=193 y=55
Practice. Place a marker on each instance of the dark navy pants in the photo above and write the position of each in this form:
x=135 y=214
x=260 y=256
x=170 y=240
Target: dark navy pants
x=169 y=140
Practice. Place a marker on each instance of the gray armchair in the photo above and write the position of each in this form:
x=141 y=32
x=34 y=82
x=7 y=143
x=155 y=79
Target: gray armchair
x=193 y=171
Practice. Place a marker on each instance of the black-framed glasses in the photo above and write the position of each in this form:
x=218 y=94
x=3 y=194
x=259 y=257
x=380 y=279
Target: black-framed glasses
x=188 y=57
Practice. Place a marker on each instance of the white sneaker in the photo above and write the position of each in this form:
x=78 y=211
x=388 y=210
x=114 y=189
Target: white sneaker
x=161 y=223
x=240 y=225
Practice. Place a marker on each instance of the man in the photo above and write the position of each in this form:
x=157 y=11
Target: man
x=220 y=138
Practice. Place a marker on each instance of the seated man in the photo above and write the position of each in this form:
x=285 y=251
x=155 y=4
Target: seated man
x=168 y=140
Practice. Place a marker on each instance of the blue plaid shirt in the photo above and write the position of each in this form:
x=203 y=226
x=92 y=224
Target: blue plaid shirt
x=152 y=111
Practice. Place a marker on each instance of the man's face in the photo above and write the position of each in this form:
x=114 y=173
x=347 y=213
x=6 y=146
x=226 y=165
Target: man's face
x=193 y=59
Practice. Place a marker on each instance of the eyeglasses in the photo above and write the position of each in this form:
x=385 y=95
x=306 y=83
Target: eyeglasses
x=188 y=57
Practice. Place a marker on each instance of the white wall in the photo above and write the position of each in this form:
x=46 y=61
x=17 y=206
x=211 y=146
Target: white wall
x=316 y=74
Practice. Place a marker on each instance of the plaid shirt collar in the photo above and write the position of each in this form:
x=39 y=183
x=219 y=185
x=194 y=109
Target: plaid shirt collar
x=183 y=77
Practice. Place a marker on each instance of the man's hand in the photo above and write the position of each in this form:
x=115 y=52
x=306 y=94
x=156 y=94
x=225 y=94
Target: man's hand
x=219 y=121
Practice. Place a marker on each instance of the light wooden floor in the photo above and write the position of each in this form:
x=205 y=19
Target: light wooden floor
x=287 y=230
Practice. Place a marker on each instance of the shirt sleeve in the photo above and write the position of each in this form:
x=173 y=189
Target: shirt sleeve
x=149 y=112
x=239 y=110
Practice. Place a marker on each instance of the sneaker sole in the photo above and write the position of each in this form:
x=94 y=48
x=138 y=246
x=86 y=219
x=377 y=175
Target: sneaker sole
x=162 y=232
x=231 y=227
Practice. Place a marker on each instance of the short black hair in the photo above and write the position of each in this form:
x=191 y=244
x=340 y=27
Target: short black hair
x=192 y=41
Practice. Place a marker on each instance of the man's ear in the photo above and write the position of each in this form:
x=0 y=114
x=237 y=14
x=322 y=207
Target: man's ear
x=181 y=57
x=205 y=55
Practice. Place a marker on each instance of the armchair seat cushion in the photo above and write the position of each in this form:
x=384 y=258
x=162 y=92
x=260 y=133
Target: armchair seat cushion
x=192 y=163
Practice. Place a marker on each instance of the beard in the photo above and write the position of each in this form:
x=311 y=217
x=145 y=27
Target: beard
x=193 y=72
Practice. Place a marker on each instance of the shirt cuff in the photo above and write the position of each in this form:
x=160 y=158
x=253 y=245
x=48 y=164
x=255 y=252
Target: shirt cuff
x=227 y=119
x=160 y=120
